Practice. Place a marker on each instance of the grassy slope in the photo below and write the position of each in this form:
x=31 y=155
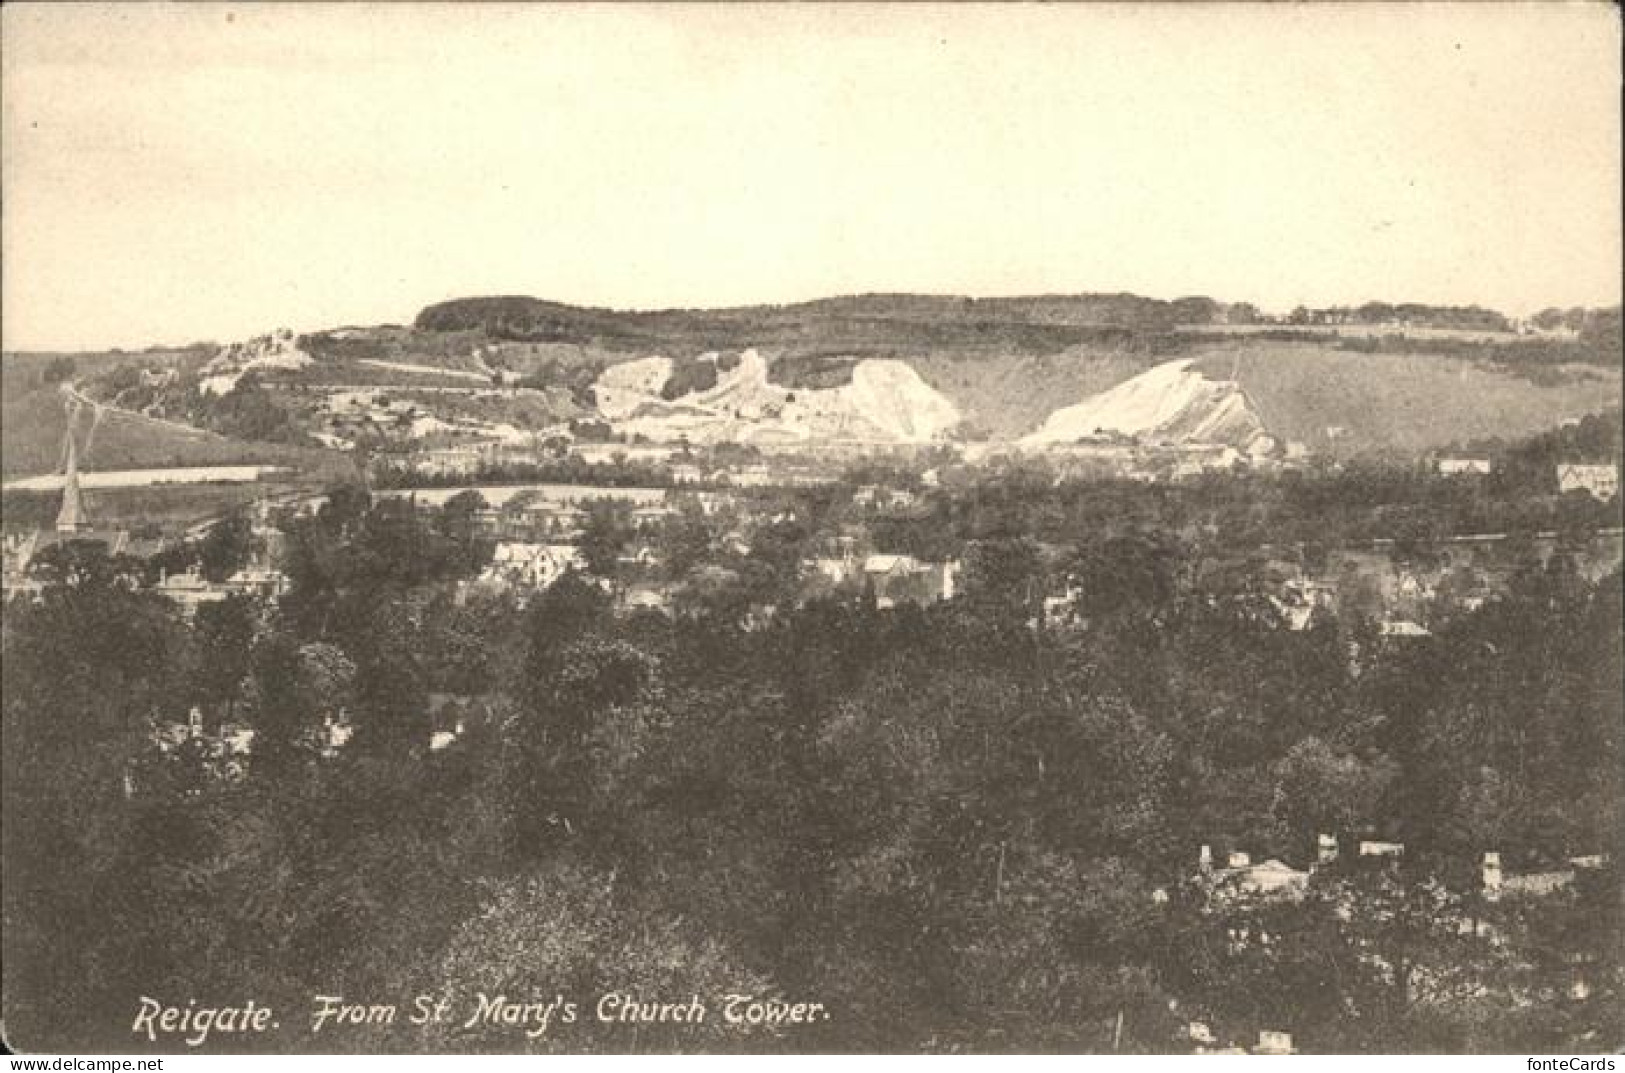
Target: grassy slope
x=1400 y=401
x=1009 y=393
x=168 y=506
x=32 y=422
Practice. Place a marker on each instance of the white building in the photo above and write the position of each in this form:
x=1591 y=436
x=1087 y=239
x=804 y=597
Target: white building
x=1601 y=481
x=531 y=566
x=1271 y=878
x=904 y=579
x=190 y=590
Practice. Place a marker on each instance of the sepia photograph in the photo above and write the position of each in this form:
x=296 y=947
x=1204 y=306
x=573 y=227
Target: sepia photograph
x=784 y=529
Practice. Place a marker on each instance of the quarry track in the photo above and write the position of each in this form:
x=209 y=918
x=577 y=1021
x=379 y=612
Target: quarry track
x=73 y=392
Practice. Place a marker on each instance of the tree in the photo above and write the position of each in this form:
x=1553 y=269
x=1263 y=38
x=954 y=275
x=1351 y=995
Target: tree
x=89 y=667
x=778 y=547
x=1549 y=319
x=391 y=714
x=573 y=688
x=1130 y=572
x=85 y=565
x=1323 y=789
x=276 y=709
x=226 y=547
x=58 y=370
x=604 y=537
x=459 y=525
x=1005 y=577
x=224 y=634
x=326 y=682
x=571 y=924
x=685 y=539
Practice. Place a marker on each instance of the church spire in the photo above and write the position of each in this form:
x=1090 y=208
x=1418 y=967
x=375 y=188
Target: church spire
x=73 y=517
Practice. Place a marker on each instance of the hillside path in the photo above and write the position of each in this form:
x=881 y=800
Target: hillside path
x=73 y=392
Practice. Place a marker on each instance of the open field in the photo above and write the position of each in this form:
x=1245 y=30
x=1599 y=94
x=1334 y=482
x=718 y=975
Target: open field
x=167 y=507
x=143 y=478
x=1401 y=402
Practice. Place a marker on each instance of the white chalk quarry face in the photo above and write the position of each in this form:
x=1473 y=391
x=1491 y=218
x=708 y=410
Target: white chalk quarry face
x=886 y=400
x=621 y=389
x=1170 y=403
x=892 y=397
x=277 y=350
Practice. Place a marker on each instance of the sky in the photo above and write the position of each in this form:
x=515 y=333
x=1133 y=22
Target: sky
x=184 y=172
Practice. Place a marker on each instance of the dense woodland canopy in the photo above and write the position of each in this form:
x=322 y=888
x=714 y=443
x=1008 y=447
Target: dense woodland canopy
x=950 y=824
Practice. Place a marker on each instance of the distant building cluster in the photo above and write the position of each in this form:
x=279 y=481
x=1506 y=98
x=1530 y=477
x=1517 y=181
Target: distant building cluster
x=25 y=552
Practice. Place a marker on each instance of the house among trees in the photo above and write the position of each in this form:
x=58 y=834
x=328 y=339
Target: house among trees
x=894 y=579
x=651 y=514
x=530 y=519
x=639 y=557
x=751 y=475
x=190 y=590
x=1300 y=598
x=258 y=579
x=530 y=567
x=644 y=597
x=1498 y=884
x=1271 y=878
x=459 y=461
x=1270 y=1041
x=1601 y=481
x=1273 y=1042
x=904 y=579
x=871 y=495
